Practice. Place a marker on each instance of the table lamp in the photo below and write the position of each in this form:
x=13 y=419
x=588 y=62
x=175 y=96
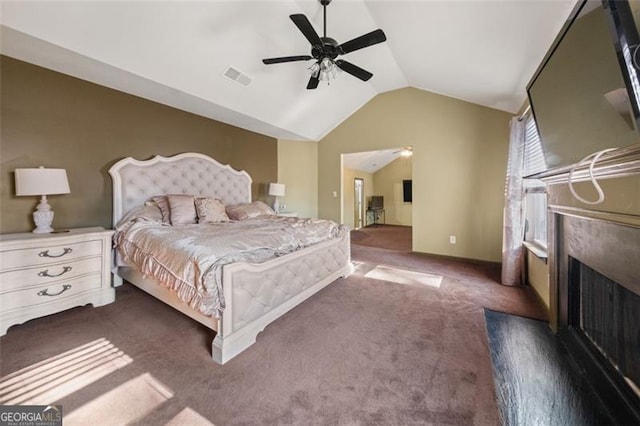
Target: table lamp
x=42 y=182
x=276 y=190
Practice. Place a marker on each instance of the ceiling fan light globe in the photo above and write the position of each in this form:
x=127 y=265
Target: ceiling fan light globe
x=326 y=64
x=314 y=69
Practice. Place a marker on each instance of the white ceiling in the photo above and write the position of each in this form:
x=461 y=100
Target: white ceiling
x=175 y=52
x=370 y=161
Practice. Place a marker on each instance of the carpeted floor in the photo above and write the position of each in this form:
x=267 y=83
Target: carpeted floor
x=390 y=237
x=361 y=351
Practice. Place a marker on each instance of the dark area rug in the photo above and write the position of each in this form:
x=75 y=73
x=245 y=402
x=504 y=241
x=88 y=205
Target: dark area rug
x=361 y=351
x=537 y=382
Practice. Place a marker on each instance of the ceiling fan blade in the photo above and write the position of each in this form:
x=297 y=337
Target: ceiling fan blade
x=354 y=70
x=313 y=82
x=270 y=61
x=306 y=28
x=369 y=39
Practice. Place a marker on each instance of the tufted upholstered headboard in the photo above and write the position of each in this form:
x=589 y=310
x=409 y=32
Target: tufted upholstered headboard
x=135 y=181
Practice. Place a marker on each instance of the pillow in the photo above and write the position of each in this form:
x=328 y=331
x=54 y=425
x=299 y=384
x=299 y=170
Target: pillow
x=163 y=204
x=210 y=210
x=248 y=211
x=182 y=209
x=150 y=212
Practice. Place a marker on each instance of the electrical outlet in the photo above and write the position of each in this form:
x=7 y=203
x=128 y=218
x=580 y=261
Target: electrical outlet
x=452 y=239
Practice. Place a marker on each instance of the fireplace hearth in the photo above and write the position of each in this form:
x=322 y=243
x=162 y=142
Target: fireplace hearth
x=597 y=309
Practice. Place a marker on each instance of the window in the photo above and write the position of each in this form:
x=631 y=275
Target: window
x=535 y=190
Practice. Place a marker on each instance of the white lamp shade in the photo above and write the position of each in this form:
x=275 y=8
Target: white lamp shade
x=41 y=181
x=276 y=189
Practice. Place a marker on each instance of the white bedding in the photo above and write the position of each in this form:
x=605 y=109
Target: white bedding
x=189 y=258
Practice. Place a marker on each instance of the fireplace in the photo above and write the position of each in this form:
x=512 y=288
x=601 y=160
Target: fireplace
x=597 y=304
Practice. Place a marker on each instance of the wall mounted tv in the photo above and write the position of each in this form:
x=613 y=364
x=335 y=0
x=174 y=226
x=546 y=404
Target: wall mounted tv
x=585 y=95
x=407 y=190
x=376 y=202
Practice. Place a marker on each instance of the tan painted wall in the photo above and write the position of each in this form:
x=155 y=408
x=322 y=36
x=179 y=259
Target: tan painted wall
x=298 y=170
x=388 y=183
x=54 y=120
x=459 y=161
x=348 y=178
x=538 y=276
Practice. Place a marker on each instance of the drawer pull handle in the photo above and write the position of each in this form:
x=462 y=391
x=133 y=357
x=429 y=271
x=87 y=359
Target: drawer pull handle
x=45 y=291
x=46 y=253
x=46 y=273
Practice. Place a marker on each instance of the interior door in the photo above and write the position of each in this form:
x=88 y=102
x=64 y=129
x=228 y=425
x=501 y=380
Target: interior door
x=358 y=207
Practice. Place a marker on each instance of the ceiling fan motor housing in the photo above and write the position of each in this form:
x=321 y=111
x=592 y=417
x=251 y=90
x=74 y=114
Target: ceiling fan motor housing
x=330 y=48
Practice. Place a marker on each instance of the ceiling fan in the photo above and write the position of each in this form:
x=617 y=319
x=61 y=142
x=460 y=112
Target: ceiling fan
x=405 y=151
x=325 y=50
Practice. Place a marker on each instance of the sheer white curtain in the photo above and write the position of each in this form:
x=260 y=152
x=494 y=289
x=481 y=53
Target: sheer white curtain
x=512 y=248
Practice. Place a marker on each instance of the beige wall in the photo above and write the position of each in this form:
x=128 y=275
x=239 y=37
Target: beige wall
x=538 y=276
x=54 y=120
x=388 y=183
x=460 y=152
x=298 y=170
x=348 y=185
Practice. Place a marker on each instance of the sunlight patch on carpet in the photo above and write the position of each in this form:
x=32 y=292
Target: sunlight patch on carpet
x=129 y=402
x=403 y=276
x=63 y=374
x=190 y=417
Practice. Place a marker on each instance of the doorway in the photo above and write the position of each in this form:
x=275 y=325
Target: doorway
x=358 y=203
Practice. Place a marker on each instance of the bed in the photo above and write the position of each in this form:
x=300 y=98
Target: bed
x=254 y=294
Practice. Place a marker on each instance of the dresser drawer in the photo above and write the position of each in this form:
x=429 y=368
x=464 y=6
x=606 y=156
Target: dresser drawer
x=49 y=293
x=47 y=254
x=51 y=273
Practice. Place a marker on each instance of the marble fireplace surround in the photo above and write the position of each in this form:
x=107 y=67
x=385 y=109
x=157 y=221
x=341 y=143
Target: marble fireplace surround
x=610 y=246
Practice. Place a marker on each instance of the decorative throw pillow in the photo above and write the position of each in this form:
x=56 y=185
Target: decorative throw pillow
x=183 y=209
x=210 y=210
x=248 y=211
x=163 y=204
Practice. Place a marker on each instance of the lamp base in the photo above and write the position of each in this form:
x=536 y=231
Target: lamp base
x=276 y=205
x=43 y=217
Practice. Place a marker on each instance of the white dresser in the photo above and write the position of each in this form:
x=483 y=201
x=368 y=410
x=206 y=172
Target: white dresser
x=41 y=274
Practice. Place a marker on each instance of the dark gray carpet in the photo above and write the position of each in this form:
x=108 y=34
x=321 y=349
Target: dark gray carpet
x=390 y=237
x=361 y=351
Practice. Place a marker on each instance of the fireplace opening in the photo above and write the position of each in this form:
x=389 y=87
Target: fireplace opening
x=596 y=311
x=606 y=315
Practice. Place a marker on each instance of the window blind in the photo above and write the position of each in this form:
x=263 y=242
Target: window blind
x=534 y=161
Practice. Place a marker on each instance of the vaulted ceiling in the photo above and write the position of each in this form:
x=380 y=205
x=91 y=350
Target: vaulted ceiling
x=176 y=53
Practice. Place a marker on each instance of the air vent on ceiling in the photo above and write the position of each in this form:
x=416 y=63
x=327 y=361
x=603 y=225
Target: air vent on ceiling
x=237 y=76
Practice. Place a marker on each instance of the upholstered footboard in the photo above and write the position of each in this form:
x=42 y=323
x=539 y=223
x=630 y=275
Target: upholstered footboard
x=257 y=294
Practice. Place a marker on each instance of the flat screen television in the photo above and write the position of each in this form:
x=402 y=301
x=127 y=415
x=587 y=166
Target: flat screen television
x=376 y=202
x=407 y=191
x=585 y=95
